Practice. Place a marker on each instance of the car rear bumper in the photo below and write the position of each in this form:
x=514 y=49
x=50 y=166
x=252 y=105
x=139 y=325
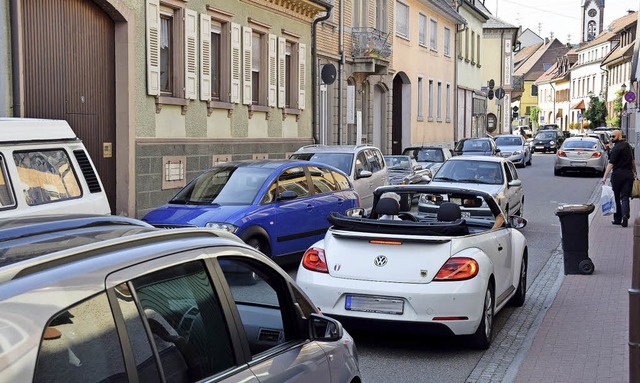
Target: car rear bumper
x=595 y=164
x=428 y=304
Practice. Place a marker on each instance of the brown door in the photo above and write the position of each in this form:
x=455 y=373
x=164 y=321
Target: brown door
x=69 y=74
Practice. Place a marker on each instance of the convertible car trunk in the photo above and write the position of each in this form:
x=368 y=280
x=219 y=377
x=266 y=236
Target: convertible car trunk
x=385 y=257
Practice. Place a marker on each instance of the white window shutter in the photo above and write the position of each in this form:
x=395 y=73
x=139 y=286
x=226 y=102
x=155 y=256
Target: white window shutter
x=302 y=73
x=247 y=39
x=236 y=63
x=205 y=57
x=191 y=55
x=282 y=74
x=273 y=71
x=153 y=47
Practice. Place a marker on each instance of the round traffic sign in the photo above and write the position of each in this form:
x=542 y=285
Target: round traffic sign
x=630 y=96
x=499 y=93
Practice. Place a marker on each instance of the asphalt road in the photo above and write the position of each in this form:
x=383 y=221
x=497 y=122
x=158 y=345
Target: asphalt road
x=397 y=356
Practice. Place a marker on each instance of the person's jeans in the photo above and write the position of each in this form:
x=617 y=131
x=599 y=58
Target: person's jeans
x=622 y=183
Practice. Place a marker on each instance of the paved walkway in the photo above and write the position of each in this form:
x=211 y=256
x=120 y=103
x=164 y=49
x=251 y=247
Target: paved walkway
x=572 y=328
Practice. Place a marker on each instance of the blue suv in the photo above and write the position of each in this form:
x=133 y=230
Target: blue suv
x=279 y=207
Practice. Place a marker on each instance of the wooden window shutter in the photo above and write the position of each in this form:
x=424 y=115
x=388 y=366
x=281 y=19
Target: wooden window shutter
x=247 y=39
x=273 y=71
x=191 y=56
x=205 y=57
x=236 y=63
x=153 y=47
x=282 y=80
x=302 y=73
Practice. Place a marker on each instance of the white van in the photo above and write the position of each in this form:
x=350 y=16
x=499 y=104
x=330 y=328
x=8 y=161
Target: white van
x=46 y=170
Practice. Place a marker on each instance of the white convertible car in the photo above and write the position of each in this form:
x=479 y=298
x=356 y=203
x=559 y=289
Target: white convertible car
x=448 y=274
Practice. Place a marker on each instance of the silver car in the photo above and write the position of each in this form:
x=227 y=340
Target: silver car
x=581 y=154
x=514 y=148
x=491 y=174
x=112 y=299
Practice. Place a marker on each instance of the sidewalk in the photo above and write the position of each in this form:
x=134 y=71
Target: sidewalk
x=584 y=334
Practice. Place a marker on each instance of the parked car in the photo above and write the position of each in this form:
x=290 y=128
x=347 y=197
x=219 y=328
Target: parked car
x=46 y=170
x=581 y=154
x=363 y=164
x=404 y=171
x=603 y=137
x=430 y=157
x=494 y=175
x=549 y=127
x=279 y=207
x=112 y=299
x=484 y=146
x=514 y=148
x=447 y=274
x=548 y=141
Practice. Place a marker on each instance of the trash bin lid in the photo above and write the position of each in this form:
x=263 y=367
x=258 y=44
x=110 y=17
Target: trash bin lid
x=575 y=209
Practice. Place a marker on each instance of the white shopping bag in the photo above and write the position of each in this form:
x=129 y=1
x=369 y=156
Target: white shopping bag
x=607 y=200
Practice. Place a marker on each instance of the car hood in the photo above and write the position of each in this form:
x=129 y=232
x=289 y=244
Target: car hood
x=489 y=189
x=396 y=176
x=197 y=215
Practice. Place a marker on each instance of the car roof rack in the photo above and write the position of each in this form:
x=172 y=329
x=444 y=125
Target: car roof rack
x=83 y=252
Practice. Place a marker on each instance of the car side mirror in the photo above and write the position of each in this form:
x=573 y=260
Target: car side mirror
x=417 y=167
x=324 y=329
x=517 y=222
x=356 y=212
x=364 y=174
x=515 y=183
x=497 y=150
x=287 y=195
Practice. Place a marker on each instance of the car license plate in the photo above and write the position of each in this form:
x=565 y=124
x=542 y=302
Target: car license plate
x=373 y=304
x=465 y=214
x=539 y=147
x=578 y=164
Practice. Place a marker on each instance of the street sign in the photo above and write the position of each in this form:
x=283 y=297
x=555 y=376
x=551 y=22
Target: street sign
x=490 y=94
x=542 y=118
x=630 y=96
x=499 y=93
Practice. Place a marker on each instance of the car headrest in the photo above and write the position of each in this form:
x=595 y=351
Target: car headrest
x=387 y=206
x=449 y=212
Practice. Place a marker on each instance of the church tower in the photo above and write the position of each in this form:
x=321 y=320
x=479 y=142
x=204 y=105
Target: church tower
x=592 y=19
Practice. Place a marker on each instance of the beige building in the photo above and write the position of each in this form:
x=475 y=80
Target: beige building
x=354 y=53
x=425 y=80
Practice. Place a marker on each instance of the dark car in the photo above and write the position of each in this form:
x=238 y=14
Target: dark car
x=113 y=299
x=280 y=207
x=548 y=141
x=404 y=171
x=484 y=146
x=429 y=157
x=549 y=127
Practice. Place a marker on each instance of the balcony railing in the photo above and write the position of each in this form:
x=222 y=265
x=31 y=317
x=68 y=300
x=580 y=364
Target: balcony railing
x=370 y=43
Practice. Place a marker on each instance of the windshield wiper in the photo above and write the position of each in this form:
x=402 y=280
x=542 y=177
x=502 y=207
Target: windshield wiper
x=446 y=179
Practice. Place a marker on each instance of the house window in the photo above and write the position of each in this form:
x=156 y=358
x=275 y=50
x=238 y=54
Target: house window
x=360 y=13
x=216 y=60
x=430 y=100
x=447 y=41
x=478 y=48
x=256 y=59
x=460 y=43
x=166 y=52
x=420 y=98
x=422 y=29
x=466 y=44
x=448 y=105
x=381 y=16
x=402 y=19
x=290 y=84
x=439 y=101
x=434 y=35
x=473 y=46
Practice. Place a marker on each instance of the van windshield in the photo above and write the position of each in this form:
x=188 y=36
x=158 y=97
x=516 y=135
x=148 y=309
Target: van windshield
x=342 y=161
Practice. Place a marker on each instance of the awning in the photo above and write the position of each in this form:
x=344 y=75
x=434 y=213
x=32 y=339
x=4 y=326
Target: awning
x=579 y=105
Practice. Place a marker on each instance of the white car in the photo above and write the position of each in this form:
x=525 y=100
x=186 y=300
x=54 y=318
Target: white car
x=494 y=175
x=448 y=275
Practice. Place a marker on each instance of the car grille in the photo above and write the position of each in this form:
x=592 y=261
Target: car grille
x=171 y=226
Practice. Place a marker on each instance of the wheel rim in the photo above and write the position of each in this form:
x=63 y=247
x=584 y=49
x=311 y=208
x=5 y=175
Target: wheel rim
x=488 y=314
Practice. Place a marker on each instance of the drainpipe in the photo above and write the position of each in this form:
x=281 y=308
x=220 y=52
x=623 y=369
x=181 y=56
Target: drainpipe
x=15 y=58
x=314 y=70
x=455 y=82
x=340 y=69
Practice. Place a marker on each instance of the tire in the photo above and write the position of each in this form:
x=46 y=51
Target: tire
x=555 y=150
x=518 y=299
x=481 y=339
x=530 y=158
x=557 y=172
x=586 y=266
x=260 y=245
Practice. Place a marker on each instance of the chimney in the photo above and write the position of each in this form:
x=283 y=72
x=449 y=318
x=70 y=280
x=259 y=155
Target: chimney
x=546 y=40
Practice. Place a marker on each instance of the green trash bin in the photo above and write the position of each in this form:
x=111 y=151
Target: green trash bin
x=574 y=224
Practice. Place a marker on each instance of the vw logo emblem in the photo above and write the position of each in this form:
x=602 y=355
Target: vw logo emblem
x=380 y=260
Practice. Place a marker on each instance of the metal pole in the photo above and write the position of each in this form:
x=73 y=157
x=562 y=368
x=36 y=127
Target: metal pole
x=634 y=308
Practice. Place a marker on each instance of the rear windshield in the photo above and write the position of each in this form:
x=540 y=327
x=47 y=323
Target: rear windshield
x=425 y=154
x=476 y=146
x=581 y=144
x=342 y=161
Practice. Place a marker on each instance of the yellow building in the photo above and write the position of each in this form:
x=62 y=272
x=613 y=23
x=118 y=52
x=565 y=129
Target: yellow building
x=425 y=80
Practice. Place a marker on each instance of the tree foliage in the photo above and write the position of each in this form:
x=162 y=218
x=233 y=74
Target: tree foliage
x=615 y=120
x=597 y=112
x=534 y=112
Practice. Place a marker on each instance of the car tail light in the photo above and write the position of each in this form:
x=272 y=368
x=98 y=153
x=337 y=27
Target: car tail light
x=596 y=155
x=314 y=260
x=562 y=153
x=457 y=269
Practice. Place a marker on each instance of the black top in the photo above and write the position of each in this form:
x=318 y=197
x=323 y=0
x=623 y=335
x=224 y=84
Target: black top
x=621 y=157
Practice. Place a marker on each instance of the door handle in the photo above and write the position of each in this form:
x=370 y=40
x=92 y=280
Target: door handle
x=340 y=201
x=309 y=207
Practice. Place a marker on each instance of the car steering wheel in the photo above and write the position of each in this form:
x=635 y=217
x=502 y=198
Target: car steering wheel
x=408 y=217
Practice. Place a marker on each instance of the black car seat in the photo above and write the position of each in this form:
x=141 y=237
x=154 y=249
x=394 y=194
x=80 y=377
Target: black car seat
x=387 y=208
x=450 y=213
